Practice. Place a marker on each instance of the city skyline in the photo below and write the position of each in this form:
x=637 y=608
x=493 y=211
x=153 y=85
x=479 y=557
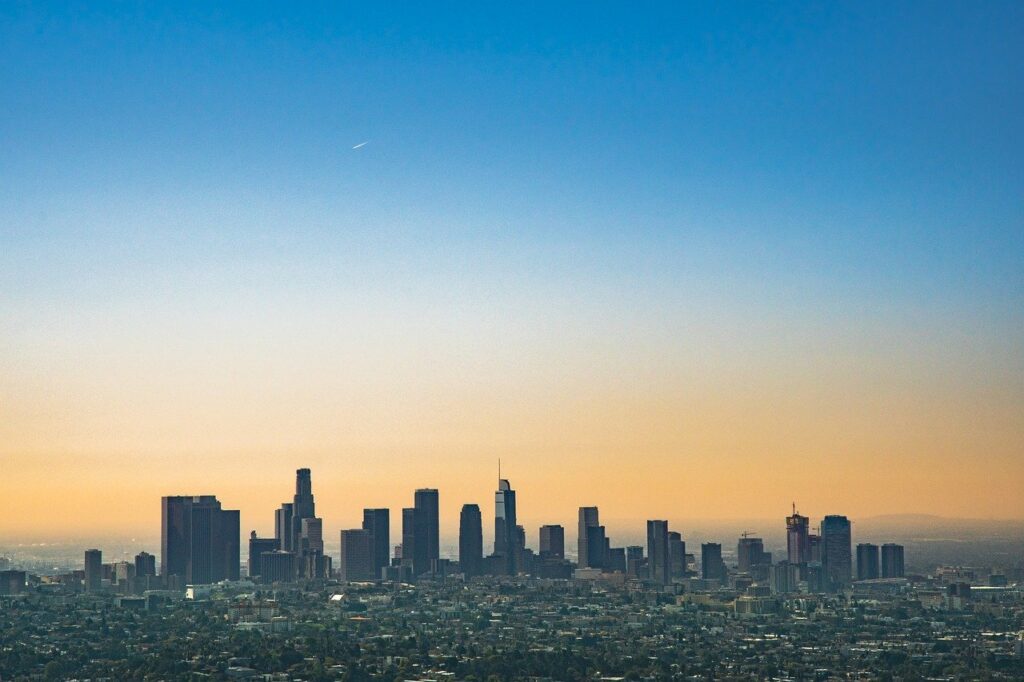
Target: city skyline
x=746 y=253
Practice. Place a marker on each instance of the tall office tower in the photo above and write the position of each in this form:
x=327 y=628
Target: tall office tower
x=892 y=560
x=471 y=540
x=199 y=541
x=588 y=518
x=93 y=569
x=357 y=556
x=712 y=566
x=634 y=560
x=617 y=559
x=783 y=577
x=277 y=567
x=658 y=559
x=505 y=544
x=257 y=548
x=425 y=501
x=814 y=544
x=303 y=507
x=378 y=522
x=749 y=553
x=798 y=549
x=837 y=555
x=867 y=561
x=283 y=527
x=145 y=564
x=596 y=545
x=409 y=526
x=552 y=541
x=676 y=555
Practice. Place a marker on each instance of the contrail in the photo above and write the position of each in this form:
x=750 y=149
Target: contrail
x=361 y=144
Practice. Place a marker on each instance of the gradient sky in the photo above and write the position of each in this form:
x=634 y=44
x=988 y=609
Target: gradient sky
x=679 y=260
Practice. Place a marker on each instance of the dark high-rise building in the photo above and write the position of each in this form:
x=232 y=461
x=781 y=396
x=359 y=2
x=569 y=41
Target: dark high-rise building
x=837 y=554
x=617 y=559
x=658 y=560
x=750 y=554
x=357 y=556
x=712 y=566
x=408 y=535
x=471 y=540
x=277 y=567
x=676 y=555
x=552 y=541
x=892 y=560
x=93 y=569
x=505 y=540
x=12 y=582
x=596 y=546
x=798 y=548
x=588 y=518
x=257 y=548
x=378 y=522
x=199 y=541
x=145 y=564
x=303 y=507
x=634 y=560
x=867 y=561
x=283 y=527
x=426 y=504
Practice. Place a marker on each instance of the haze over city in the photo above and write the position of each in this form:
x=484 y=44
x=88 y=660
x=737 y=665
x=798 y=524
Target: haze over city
x=692 y=263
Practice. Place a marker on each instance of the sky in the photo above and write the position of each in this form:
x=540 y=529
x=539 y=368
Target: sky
x=679 y=260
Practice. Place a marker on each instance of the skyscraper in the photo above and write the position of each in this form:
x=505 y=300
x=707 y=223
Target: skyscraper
x=676 y=554
x=357 y=556
x=471 y=540
x=378 y=522
x=199 y=541
x=750 y=553
x=712 y=566
x=588 y=517
x=837 y=555
x=303 y=506
x=867 y=561
x=257 y=548
x=552 y=541
x=93 y=569
x=505 y=544
x=596 y=546
x=283 y=527
x=426 y=503
x=145 y=564
x=798 y=548
x=892 y=560
x=658 y=558
x=409 y=528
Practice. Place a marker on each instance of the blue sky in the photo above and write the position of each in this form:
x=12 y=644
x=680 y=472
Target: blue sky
x=663 y=190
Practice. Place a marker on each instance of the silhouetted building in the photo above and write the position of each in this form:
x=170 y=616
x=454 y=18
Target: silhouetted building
x=426 y=503
x=357 y=556
x=658 y=560
x=378 y=522
x=303 y=507
x=93 y=569
x=867 y=561
x=588 y=518
x=712 y=566
x=283 y=527
x=676 y=555
x=617 y=559
x=552 y=541
x=837 y=556
x=815 y=548
x=784 y=577
x=892 y=560
x=145 y=564
x=798 y=549
x=634 y=560
x=471 y=540
x=750 y=555
x=12 y=582
x=277 y=567
x=257 y=548
x=505 y=540
x=596 y=546
x=199 y=541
